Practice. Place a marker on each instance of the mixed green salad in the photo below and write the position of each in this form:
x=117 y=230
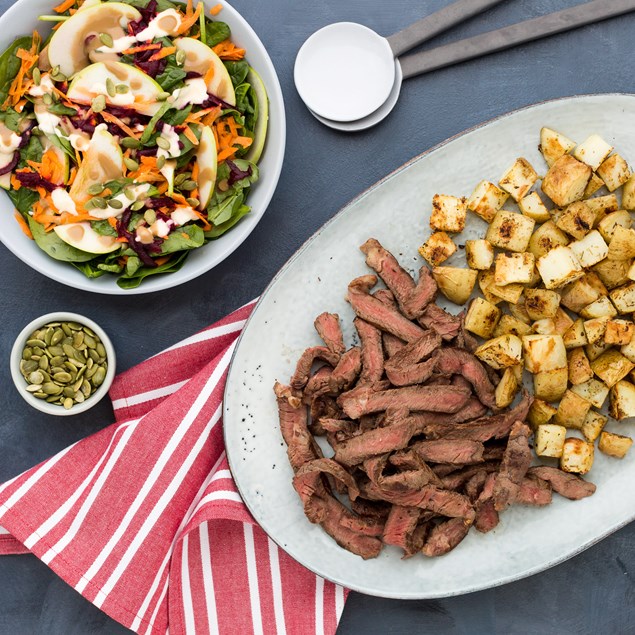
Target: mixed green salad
x=130 y=136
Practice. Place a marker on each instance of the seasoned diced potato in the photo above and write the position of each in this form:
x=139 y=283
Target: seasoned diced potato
x=544 y=352
x=479 y=254
x=553 y=145
x=550 y=385
x=593 y=151
x=622 y=403
x=575 y=336
x=455 y=283
x=612 y=366
x=624 y=298
x=601 y=206
x=448 y=213
x=579 y=294
x=482 y=317
x=594 y=184
x=576 y=219
x=593 y=424
x=618 y=218
x=438 y=248
x=510 y=324
x=615 y=445
x=546 y=326
x=541 y=303
x=628 y=194
x=510 y=230
x=595 y=349
x=562 y=322
x=545 y=238
x=572 y=410
x=595 y=329
x=559 y=267
x=614 y=172
x=590 y=249
x=631 y=271
x=519 y=179
x=506 y=389
x=486 y=200
x=540 y=412
x=485 y=281
x=566 y=180
x=628 y=350
x=619 y=332
x=602 y=307
x=549 y=440
x=535 y=278
x=577 y=456
x=612 y=273
x=622 y=244
x=519 y=311
x=593 y=390
x=501 y=352
x=514 y=268
x=532 y=206
x=579 y=367
x=509 y=292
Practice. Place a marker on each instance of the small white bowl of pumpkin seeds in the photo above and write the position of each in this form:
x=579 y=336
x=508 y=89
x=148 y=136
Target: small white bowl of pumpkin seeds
x=62 y=363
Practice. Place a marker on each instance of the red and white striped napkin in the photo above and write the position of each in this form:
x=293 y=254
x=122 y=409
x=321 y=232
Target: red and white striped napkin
x=144 y=520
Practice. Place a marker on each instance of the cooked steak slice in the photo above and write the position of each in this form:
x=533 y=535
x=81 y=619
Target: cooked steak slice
x=324 y=406
x=569 y=485
x=456 y=361
x=514 y=466
x=400 y=526
x=375 y=466
x=377 y=313
x=329 y=467
x=372 y=352
x=458 y=478
x=328 y=327
x=410 y=375
x=447 y=325
x=410 y=479
x=459 y=380
x=464 y=338
x=475 y=484
x=493 y=452
x=455 y=451
x=346 y=426
x=385 y=296
x=363 y=400
x=445 y=536
x=346 y=371
x=486 y=514
x=404 y=369
x=303 y=367
x=318 y=384
x=534 y=492
x=408 y=460
x=424 y=292
x=371 y=509
x=364 y=525
x=472 y=409
x=396 y=278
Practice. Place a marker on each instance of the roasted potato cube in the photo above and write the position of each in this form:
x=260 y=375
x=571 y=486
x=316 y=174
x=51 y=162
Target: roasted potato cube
x=550 y=385
x=593 y=151
x=519 y=311
x=510 y=324
x=544 y=352
x=575 y=335
x=622 y=402
x=541 y=303
x=628 y=350
x=438 y=248
x=559 y=267
x=590 y=249
x=510 y=230
x=455 y=283
x=482 y=317
x=540 y=412
x=619 y=332
x=595 y=349
x=624 y=298
x=549 y=439
x=615 y=445
x=513 y=268
x=562 y=321
x=631 y=271
x=618 y=218
x=594 y=184
x=532 y=206
x=535 y=278
x=572 y=410
x=545 y=238
x=501 y=352
x=593 y=424
x=622 y=244
x=612 y=366
x=448 y=213
x=519 y=179
x=628 y=194
x=601 y=206
x=612 y=273
x=576 y=219
x=509 y=292
x=593 y=390
x=579 y=294
x=602 y=307
x=579 y=367
x=595 y=329
x=546 y=326
x=566 y=180
x=614 y=172
x=479 y=254
x=553 y=145
x=485 y=281
x=577 y=456
x=506 y=389
x=486 y=200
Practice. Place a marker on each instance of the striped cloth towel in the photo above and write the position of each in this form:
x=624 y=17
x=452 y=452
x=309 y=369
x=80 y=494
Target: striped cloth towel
x=144 y=520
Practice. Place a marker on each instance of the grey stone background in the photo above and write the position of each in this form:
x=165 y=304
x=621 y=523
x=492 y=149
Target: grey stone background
x=593 y=592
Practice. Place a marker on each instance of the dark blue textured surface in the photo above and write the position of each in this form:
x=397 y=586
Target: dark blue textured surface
x=592 y=593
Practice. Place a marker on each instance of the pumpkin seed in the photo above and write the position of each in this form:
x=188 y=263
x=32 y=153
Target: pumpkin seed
x=47 y=99
x=131 y=164
x=78 y=338
x=90 y=372
x=106 y=39
x=57 y=361
x=36 y=342
x=188 y=185
x=53 y=398
x=136 y=206
x=193 y=202
x=34 y=388
x=69 y=391
x=163 y=143
x=86 y=388
x=79 y=397
x=99 y=376
x=62 y=377
x=95 y=189
x=121 y=89
x=67 y=403
x=44 y=362
x=110 y=87
x=40 y=395
x=89 y=331
x=26 y=354
x=162 y=96
x=51 y=389
x=37 y=76
x=36 y=377
x=66 y=328
x=56 y=351
x=29 y=366
x=69 y=351
x=98 y=103
x=48 y=336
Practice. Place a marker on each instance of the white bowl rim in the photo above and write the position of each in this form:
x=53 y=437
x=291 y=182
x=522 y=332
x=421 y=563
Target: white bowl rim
x=16 y=356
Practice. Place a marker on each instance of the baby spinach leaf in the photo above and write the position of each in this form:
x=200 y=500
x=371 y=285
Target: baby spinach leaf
x=247 y=104
x=23 y=199
x=188 y=237
x=216 y=32
x=89 y=269
x=219 y=230
x=10 y=64
x=103 y=228
x=60 y=110
x=237 y=71
x=171 y=77
x=132 y=282
x=54 y=246
x=32 y=151
x=11 y=119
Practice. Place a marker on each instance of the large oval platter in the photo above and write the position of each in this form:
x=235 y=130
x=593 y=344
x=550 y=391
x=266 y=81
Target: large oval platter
x=396 y=212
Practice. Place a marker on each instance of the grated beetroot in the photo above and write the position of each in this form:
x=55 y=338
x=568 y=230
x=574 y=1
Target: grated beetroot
x=33 y=181
x=137 y=247
x=160 y=201
x=235 y=173
x=147 y=13
x=9 y=167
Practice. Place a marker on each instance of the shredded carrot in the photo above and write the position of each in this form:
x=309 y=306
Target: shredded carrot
x=209 y=75
x=28 y=59
x=141 y=48
x=226 y=50
x=195 y=171
x=210 y=118
x=164 y=52
x=216 y=9
x=112 y=221
x=15 y=184
x=23 y=225
x=64 y=6
x=245 y=142
x=161 y=260
x=226 y=153
x=112 y=119
x=189 y=134
x=188 y=8
x=206 y=224
x=72 y=176
x=190 y=18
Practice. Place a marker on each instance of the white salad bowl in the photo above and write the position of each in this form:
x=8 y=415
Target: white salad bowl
x=21 y=19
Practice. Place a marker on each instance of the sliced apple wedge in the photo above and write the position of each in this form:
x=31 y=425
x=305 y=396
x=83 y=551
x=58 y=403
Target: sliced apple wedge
x=199 y=58
x=82 y=236
x=72 y=43
x=206 y=158
x=260 y=132
x=142 y=95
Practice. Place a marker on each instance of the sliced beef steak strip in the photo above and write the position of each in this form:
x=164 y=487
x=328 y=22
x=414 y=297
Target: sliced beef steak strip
x=422 y=295
x=514 y=466
x=400 y=526
x=372 y=352
x=486 y=514
x=446 y=324
x=405 y=367
x=459 y=477
x=371 y=509
x=330 y=468
x=456 y=451
x=303 y=367
x=569 y=485
x=445 y=536
x=346 y=371
x=328 y=327
x=534 y=492
x=392 y=344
